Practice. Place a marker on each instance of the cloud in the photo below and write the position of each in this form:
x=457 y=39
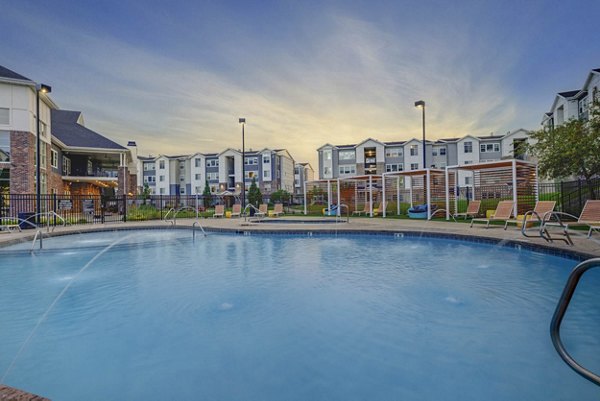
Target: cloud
x=357 y=80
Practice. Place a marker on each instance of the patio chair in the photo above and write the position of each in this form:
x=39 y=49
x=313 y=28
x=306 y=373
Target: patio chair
x=278 y=209
x=541 y=209
x=590 y=216
x=379 y=209
x=219 y=211
x=502 y=213
x=472 y=210
x=366 y=210
x=236 y=210
x=263 y=210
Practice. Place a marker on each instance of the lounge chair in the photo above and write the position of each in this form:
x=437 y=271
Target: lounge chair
x=263 y=210
x=219 y=211
x=541 y=209
x=379 y=209
x=236 y=210
x=502 y=213
x=472 y=210
x=590 y=216
x=278 y=209
x=366 y=210
x=9 y=226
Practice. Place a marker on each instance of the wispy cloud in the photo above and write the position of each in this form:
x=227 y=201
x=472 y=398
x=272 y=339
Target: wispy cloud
x=358 y=80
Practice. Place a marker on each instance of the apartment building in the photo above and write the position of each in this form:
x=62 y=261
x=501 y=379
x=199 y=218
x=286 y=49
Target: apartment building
x=303 y=172
x=273 y=169
x=373 y=157
x=73 y=158
x=574 y=104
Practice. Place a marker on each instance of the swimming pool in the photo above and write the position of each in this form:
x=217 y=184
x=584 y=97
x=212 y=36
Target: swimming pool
x=290 y=317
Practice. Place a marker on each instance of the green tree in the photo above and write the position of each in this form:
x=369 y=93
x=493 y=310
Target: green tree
x=280 y=196
x=146 y=192
x=572 y=148
x=206 y=195
x=254 y=194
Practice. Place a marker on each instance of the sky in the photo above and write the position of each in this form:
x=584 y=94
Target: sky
x=175 y=76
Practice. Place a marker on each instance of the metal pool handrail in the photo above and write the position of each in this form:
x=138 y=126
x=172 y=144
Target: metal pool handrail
x=342 y=206
x=559 y=313
x=197 y=224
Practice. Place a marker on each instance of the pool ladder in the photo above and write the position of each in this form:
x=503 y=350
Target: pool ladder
x=559 y=313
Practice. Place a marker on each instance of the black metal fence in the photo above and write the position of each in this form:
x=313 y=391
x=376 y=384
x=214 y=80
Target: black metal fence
x=570 y=197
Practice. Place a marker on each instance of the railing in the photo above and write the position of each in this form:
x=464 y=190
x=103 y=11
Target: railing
x=197 y=224
x=256 y=216
x=548 y=221
x=342 y=206
x=41 y=234
x=559 y=313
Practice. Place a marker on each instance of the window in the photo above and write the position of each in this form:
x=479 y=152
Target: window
x=393 y=152
x=181 y=166
x=212 y=163
x=434 y=152
x=4 y=146
x=181 y=178
x=389 y=168
x=327 y=154
x=489 y=147
x=161 y=178
x=266 y=174
x=266 y=159
x=347 y=169
x=198 y=162
x=468 y=161
x=4 y=116
x=468 y=180
x=414 y=166
x=251 y=161
x=162 y=191
x=66 y=170
x=468 y=147
x=161 y=165
x=346 y=155
x=443 y=151
x=90 y=167
x=182 y=190
x=327 y=171
x=53 y=158
x=198 y=190
x=43 y=155
x=198 y=177
x=414 y=150
x=212 y=176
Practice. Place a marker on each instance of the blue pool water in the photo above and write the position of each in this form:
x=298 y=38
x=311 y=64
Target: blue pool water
x=260 y=317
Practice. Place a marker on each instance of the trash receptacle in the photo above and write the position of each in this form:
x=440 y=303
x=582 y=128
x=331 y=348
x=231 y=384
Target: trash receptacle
x=26 y=216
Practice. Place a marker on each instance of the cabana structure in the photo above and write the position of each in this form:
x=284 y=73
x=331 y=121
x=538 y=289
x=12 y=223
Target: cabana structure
x=515 y=180
x=426 y=186
x=354 y=192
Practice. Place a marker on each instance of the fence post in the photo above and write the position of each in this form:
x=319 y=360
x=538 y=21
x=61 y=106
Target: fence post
x=125 y=207
x=160 y=203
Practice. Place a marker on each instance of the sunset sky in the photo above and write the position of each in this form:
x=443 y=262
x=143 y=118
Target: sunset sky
x=176 y=77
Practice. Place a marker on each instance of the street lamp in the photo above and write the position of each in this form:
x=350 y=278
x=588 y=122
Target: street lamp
x=243 y=122
x=420 y=104
x=39 y=88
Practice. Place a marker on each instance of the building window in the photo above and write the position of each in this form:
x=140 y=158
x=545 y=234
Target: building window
x=53 y=158
x=181 y=179
x=4 y=146
x=348 y=169
x=251 y=161
x=468 y=161
x=161 y=191
x=393 y=152
x=43 y=155
x=489 y=147
x=181 y=166
x=346 y=155
x=468 y=146
x=443 y=151
x=4 y=116
x=161 y=178
x=414 y=166
x=182 y=191
x=414 y=150
x=212 y=163
x=161 y=164
x=198 y=177
x=66 y=167
x=393 y=167
x=266 y=159
x=468 y=180
x=198 y=162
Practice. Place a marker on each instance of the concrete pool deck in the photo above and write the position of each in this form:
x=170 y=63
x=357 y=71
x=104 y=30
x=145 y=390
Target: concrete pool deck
x=584 y=248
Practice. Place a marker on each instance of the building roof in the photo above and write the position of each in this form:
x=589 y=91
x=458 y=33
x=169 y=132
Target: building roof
x=6 y=73
x=569 y=94
x=345 y=146
x=491 y=137
x=395 y=143
x=66 y=128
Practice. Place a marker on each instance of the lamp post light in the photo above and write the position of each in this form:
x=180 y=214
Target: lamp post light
x=420 y=104
x=39 y=88
x=243 y=122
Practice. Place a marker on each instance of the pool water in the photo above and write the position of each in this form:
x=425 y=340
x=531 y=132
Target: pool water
x=265 y=317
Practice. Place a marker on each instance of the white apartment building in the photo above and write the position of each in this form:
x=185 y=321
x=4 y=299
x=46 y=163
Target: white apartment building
x=188 y=174
x=373 y=157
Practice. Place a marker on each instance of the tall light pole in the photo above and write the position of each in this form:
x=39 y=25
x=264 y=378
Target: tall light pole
x=38 y=185
x=243 y=122
x=420 y=104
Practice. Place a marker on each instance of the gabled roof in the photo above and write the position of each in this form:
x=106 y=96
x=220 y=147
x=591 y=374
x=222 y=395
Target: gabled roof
x=568 y=94
x=66 y=128
x=6 y=73
x=370 y=139
x=327 y=145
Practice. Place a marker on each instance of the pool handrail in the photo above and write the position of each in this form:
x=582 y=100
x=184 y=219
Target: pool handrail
x=256 y=216
x=559 y=313
x=197 y=224
x=342 y=206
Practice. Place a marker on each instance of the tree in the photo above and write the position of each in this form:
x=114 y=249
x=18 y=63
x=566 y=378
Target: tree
x=146 y=192
x=254 y=194
x=206 y=195
x=280 y=196
x=572 y=148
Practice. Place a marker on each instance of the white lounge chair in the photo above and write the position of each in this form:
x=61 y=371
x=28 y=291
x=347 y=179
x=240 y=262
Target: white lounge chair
x=502 y=213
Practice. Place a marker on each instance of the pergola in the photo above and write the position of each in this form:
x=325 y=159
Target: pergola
x=352 y=190
x=425 y=185
x=501 y=179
